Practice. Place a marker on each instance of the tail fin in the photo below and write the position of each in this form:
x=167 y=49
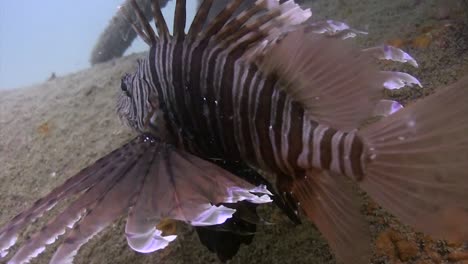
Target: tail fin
x=417 y=163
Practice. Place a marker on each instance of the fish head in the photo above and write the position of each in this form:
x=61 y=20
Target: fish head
x=137 y=104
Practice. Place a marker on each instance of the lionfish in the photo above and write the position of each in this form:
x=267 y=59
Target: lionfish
x=266 y=89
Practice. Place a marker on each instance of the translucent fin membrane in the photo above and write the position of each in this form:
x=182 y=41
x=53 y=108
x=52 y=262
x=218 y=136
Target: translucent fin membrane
x=80 y=182
x=334 y=28
x=152 y=178
x=386 y=52
x=417 y=163
x=397 y=80
x=334 y=207
x=387 y=107
x=337 y=84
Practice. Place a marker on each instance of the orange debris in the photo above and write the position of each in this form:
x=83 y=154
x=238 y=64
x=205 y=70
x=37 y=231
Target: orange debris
x=167 y=226
x=44 y=129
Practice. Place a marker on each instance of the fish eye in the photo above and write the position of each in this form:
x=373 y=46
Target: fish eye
x=124 y=87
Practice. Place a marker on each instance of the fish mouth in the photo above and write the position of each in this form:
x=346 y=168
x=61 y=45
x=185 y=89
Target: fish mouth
x=150 y=121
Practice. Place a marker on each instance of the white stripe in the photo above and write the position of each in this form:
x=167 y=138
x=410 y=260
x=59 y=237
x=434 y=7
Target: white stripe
x=285 y=130
x=335 y=149
x=303 y=159
x=169 y=72
x=271 y=131
x=190 y=82
x=254 y=93
x=161 y=73
x=190 y=51
x=185 y=66
x=149 y=77
x=185 y=73
x=319 y=131
x=220 y=62
x=204 y=87
x=237 y=92
x=157 y=66
x=348 y=143
x=220 y=66
x=204 y=73
x=172 y=106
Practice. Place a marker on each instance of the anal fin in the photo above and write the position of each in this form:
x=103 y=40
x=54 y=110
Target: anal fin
x=331 y=203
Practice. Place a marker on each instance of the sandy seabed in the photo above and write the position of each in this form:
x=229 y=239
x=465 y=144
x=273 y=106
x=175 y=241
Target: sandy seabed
x=50 y=131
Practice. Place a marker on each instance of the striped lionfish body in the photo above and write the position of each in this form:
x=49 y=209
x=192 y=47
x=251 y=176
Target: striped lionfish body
x=265 y=88
x=219 y=105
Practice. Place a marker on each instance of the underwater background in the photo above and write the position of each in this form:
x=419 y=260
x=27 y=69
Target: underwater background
x=50 y=131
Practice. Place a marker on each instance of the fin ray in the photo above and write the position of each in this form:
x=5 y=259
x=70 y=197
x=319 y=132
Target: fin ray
x=337 y=84
x=180 y=18
x=200 y=18
x=331 y=203
x=153 y=178
x=159 y=20
x=417 y=163
x=85 y=179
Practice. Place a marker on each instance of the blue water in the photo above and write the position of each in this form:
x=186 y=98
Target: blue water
x=38 y=38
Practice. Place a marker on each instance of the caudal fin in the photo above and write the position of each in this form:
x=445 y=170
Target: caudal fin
x=417 y=163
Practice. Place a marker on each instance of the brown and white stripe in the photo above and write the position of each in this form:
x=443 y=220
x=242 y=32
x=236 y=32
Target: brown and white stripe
x=218 y=104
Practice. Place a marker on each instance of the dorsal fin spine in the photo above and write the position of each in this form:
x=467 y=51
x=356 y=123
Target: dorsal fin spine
x=200 y=18
x=220 y=20
x=180 y=20
x=159 y=20
x=144 y=22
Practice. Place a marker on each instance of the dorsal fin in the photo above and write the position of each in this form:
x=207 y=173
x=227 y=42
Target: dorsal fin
x=233 y=25
x=144 y=23
x=256 y=26
x=159 y=21
x=179 y=20
x=140 y=27
x=221 y=19
x=336 y=83
x=200 y=18
x=276 y=19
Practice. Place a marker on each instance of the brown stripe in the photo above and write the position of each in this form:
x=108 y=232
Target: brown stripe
x=178 y=82
x=262 y=121
x=219 y=21
x=200 y=128
x=226 y=109
x=189 y=86
x=180 y=18
x=233 y=26
x=342 y=154
x=295 y=136
x=218 y=100
x=200 y=18
x=277 y=127
x=160 y=22
x=326 y=149
x=356 y=151
x=211 y=99
x=253 y=29
x=158 y=66
x=244 y=114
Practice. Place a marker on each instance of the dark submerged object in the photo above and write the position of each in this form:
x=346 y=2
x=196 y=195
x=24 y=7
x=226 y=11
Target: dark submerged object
x=264 y=89
x=118 y=36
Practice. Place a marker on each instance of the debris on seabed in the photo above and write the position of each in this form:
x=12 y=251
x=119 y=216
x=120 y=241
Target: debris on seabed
x=44 y=129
